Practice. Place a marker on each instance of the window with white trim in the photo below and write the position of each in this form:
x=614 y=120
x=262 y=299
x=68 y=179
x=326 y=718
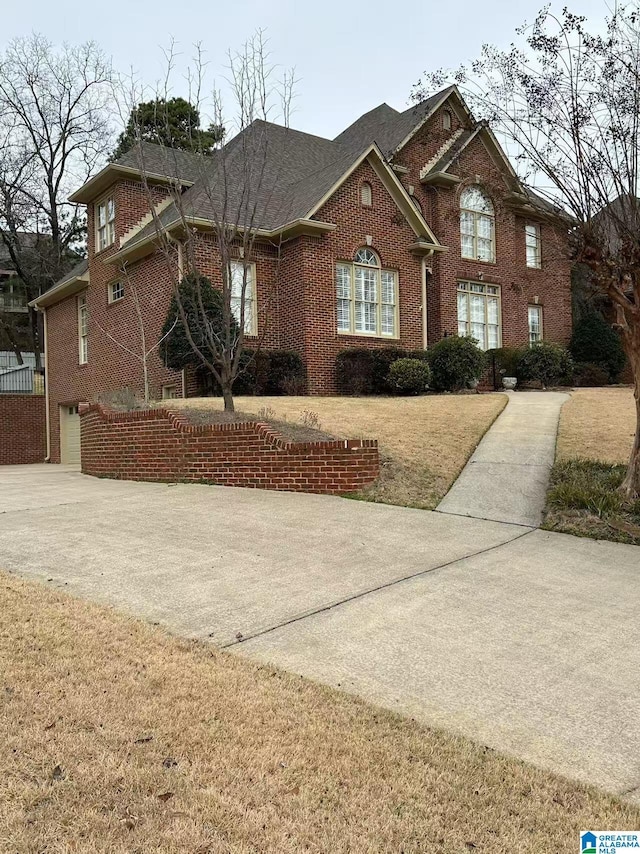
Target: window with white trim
x=479 y=313
x=367 y=296
x=243 y=277
x=115 y=291
x=83 y=331
x=532 y=244
x=535 y=324
x=366 y=194
x=105 y=213
x=169 y=392
x=477 y=225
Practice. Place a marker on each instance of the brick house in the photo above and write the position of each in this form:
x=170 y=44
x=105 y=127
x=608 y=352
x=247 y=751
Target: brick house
x=407 y=227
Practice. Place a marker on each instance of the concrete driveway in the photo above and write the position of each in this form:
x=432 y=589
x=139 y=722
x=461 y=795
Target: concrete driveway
x=524 y=640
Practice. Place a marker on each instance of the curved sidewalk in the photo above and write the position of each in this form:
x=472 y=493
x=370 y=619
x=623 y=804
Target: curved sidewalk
x=506 y=478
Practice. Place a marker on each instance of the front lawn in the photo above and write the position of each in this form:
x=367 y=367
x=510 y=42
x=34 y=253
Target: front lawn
x=424 y=441
x=118 y=738
x=595 y=437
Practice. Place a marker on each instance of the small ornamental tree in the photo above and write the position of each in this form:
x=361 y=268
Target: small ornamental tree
x=455 y=362
x=595 y=342
x=203 y=313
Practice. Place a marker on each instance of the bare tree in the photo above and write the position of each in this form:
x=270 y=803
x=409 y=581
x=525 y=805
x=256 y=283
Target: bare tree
x=144 y=347
x=234 y=191
x=54 y=130
x=567 y=103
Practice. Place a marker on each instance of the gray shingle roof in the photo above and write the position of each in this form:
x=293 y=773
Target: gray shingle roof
x=299 y=168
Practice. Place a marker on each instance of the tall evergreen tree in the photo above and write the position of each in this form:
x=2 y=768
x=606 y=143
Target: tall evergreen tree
x=174 y=123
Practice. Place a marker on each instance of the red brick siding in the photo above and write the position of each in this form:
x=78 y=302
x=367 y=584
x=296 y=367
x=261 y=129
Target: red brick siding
x=519 y=284
x=391 y=237
x=296 y=287
x=159 y=445
x=22 y=429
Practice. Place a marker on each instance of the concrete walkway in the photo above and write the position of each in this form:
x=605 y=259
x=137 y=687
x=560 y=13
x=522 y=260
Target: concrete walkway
x=521 y=639
x=506 y=478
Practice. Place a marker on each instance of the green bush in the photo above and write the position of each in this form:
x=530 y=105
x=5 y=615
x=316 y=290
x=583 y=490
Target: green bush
x=409 y=376
x=550 y=364
x=455 y=363
x=361 y=370
x=595 y=342
x=507 y=359
x=176 y=350
x=589 y=375
x=264 y=372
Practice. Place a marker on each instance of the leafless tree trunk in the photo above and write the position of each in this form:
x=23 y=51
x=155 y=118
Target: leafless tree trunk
x=236 y=188
x=567 y=105
x=54 y=131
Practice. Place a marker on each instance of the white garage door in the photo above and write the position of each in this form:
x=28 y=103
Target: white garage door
x=69 y=435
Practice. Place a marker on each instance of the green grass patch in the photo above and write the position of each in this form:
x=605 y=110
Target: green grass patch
x=584 y=500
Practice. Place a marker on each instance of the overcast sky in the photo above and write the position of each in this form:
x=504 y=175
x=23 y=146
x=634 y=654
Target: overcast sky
x=349 y=55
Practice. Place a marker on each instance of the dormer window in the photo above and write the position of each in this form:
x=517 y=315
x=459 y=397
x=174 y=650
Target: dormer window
x=477 y=225
x=365 y=195
x=446 y=119
x=105 y=212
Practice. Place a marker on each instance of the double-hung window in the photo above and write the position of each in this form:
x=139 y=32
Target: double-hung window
x=105 y=212
x=532 y=244
x=367 y=296
x=243 y=276
x=477 y=225
x=83 y=331
x=479 y=313
x=115 y=291
x=535 y=324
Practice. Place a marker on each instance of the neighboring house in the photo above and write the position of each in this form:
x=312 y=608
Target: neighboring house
x=408 y=227
x=14 y=320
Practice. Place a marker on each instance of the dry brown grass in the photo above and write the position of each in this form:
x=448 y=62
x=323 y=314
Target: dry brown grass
x=118 y=738
x=424 y=441
x=597 y=424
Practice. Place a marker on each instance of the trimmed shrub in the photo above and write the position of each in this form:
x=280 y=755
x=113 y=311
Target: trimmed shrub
x=507 y=360
x=409 y=376
x=354 y=371
x=550 y=364
x=361 y=370
x=589 y=375
x=596 y=343
x=382 y=359
x=455 y=363
x=263 y=373
x=284 y=370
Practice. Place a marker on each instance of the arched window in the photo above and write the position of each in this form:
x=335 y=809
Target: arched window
x=365 y=194
x=367 y=296
x=477 y=225
x=446 y=120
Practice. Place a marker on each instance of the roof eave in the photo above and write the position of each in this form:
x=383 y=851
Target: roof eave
x=447 y=93
x=96 y=185
x=61 y=291
x=294 y=228
x=440 y=179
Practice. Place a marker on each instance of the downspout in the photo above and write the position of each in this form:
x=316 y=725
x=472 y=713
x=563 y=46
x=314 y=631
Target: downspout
x=425 y=273
x=47 y=459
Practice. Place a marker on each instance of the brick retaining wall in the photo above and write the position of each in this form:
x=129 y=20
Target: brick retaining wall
x=160 y=445
x=22 y=429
